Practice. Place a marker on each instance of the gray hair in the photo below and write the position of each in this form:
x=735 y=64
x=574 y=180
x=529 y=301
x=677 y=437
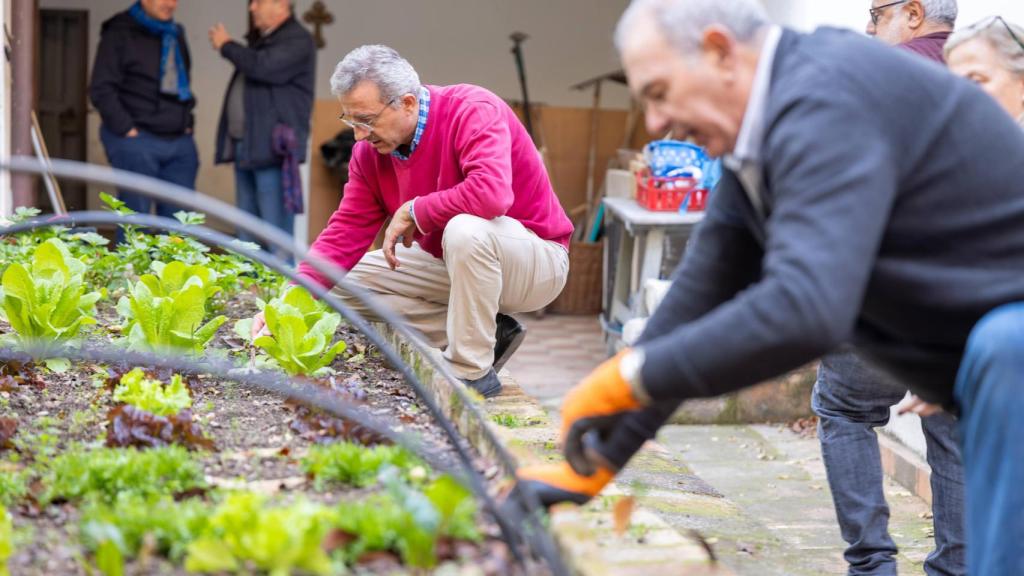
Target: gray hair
x=940 y=11
x=383 y=66
x=998 y=37
x=684 y=21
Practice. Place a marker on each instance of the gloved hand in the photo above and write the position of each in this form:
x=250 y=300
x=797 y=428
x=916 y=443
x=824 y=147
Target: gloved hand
x=557 y=483
x=594 y=407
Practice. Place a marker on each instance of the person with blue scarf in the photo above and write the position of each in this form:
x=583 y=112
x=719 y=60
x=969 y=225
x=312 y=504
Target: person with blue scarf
x=141 y=87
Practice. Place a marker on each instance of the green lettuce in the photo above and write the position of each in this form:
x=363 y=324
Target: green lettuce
x=301 y=331
x=152 y=395
x=165 y=311
x=244 y=531
x=46 y=302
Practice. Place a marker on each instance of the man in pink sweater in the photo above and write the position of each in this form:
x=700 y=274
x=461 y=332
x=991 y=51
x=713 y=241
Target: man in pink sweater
x=476 y=230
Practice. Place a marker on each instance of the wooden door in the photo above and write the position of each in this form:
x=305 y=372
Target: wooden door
x=62 y=74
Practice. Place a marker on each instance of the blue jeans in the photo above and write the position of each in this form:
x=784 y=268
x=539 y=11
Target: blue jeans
x=259 y=192
x=173 y=160
x=990 y=393
x=851 y=399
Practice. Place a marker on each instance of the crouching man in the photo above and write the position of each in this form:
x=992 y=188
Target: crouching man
x=476 y=230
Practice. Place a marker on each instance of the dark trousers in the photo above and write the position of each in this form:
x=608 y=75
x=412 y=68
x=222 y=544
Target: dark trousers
x=171 y=159
x=852 y=399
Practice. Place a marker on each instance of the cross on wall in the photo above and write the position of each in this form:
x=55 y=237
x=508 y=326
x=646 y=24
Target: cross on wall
x=318 y=16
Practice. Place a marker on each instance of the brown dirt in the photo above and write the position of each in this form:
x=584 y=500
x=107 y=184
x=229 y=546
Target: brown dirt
x=255 y=446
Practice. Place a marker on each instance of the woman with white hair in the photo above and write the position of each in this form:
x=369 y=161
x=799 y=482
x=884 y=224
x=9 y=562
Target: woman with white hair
x=991 y=54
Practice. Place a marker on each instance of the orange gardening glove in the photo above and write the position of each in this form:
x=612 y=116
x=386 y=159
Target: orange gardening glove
x=595 y=405
x=557 y=483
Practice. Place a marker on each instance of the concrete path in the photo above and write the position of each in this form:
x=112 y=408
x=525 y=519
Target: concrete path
x=758 y=494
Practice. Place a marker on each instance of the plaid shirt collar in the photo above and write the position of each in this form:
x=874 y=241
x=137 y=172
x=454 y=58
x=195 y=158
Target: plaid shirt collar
x=421 y=124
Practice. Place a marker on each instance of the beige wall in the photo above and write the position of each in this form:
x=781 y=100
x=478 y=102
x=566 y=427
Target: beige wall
x=447 y=40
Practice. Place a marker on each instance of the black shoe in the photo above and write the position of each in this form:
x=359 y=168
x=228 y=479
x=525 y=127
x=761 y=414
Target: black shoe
x=508 y=337
x=487 y=385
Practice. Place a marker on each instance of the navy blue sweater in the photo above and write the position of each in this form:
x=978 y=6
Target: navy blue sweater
x=896 y=198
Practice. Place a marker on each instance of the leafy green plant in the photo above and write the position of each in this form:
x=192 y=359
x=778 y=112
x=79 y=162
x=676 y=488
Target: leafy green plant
x=244 y=531
x=105 y=473
x=301 y=331
x=513 y=420
x=355 y=465
x=152 y=395
x=13 y=485
x=408 y=521
x=6 y=540
x=166 y=311
x=132 y=520
x=45 y=302
x=139 y=249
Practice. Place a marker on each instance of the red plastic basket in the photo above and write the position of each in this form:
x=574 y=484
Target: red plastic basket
x=668 y=194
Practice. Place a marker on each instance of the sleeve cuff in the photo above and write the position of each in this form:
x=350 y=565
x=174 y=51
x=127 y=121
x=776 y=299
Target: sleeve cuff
x=412 y=214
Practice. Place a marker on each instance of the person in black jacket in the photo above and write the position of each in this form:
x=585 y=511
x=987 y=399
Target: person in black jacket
x=264 y=123
x=141 y=88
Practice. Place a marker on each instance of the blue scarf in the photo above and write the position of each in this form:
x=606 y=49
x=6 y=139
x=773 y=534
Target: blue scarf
x=168 y=32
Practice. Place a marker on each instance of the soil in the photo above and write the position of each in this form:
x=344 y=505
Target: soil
x=255 y=446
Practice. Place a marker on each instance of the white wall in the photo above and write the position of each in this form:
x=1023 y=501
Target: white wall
x=448 y=41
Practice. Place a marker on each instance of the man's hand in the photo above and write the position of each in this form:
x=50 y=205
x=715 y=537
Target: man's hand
x=595 y=405
x=917 y=406
x=402 y=227
x=219 y=36
x=131 y=133
x=259 y=326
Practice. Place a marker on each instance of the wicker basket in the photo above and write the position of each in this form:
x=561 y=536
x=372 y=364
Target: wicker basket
x=582 y=292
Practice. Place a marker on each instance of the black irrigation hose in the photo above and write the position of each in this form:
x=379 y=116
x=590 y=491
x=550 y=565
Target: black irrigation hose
x=293 y=389
x=540 y=540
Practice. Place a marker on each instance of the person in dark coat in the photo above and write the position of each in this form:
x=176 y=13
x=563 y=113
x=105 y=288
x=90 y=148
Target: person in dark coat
x=141 y=87
x=264 y=123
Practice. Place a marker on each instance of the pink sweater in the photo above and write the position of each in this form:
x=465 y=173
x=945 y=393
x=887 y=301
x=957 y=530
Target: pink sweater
x=474 y=157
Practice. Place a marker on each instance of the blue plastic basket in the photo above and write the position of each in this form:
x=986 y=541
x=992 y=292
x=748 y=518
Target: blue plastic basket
x=673 y=158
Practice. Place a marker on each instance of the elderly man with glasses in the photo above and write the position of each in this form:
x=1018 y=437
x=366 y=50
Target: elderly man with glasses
x=920 y=26
x=476 y=230
x=869 y=198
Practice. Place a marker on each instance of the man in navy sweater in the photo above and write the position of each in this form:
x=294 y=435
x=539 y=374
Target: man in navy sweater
x=870 y=198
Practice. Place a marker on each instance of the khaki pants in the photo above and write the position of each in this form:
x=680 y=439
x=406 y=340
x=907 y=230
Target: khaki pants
x=489 y=266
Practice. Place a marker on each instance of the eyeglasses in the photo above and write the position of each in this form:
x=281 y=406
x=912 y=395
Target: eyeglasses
x=876 y=12
x=1009 y=31
x=367 y=124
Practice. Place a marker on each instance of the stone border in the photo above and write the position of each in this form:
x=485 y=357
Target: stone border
x=590 y=546
x=905 y=467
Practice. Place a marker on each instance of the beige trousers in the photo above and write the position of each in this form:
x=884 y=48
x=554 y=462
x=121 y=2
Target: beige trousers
x=489 y=266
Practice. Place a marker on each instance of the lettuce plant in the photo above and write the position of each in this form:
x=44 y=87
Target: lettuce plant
x=355 y=465
x=107 y=473
x=245 y=532
x=6 y=540
x=131 y=521
x=46 y=302
x=152 y=395
x=165 y=311
x=408 y=521
x=301 y=331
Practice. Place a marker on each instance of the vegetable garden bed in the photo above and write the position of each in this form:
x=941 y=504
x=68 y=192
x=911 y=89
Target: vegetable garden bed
x=124 y=468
